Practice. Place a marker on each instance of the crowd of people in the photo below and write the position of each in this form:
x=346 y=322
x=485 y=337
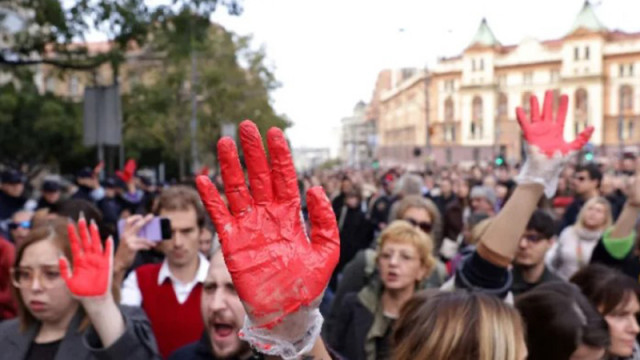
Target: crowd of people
x=537 y=260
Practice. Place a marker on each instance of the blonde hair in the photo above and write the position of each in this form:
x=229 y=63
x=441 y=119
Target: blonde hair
x=458 y=325
x=401 y=231
x=598 y=200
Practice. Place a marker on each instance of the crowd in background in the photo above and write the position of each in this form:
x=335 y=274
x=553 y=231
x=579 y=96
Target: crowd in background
x=400 y=232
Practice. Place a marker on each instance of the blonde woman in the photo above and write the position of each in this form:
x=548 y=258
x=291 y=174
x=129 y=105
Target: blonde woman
x=364 y=320
x=575 y=245
x=458 y=325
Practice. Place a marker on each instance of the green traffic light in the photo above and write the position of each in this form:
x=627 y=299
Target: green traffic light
x=499 y=161
x=588 y=156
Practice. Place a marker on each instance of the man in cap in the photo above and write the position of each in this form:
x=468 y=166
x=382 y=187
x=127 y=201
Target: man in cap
x=12 y=196
x=50 y=195
x=89 y=188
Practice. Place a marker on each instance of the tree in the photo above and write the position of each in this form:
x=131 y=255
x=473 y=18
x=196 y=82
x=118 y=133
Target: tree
x=157 y=114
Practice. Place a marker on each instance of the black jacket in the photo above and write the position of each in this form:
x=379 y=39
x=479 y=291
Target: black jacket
x=200 y=350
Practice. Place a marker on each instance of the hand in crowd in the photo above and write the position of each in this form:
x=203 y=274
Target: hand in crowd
x=91 y=274
x=131 y=243
x=277 y=271
x=548 y=152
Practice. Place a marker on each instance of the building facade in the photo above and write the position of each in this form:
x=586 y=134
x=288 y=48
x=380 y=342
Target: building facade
x=357 y=138
x=474 y=95
x=463 y=109
x=402 y=119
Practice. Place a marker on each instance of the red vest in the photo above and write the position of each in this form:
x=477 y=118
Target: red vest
x=173 y=324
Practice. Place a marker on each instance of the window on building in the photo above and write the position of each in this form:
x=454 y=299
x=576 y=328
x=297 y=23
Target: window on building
x=586 y=52
x=473 y=64
x=526 y=101
x=630 y=129
x=576 y=53
x=527 y=78
x=73 y=86
x=448 y=110
x=581 y=110
x=626 y=97
x=621 y=72
x=556 y=100
x=476 y=118
x=630 y=69
x=481 y=64
x=503 y=104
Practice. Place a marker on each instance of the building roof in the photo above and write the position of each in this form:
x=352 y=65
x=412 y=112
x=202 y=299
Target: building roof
x=587 y=19
x=484 y=36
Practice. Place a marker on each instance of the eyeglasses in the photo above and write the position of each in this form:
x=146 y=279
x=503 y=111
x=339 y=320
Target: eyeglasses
x=533 y=238
x=423 y=225
x=47 y=276
x=20 y=224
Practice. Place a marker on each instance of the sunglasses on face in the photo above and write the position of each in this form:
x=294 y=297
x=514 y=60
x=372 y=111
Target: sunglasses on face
x=423 y=225
x=21 y=224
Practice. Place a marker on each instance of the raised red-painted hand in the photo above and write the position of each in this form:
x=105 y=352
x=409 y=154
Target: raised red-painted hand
x=274 y=267
x=91 y=273
x=546 y=133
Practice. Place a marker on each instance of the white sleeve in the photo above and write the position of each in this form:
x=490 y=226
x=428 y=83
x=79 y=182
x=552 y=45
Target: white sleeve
x=131 y=294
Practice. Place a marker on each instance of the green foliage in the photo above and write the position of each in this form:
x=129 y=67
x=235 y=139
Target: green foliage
x=39 y=129
x=157 y=114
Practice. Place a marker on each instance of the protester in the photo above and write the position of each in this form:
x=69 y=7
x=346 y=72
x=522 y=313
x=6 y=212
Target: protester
x=529 y=268
x=7 y=258
x=576 y=243
x=458 y=325
x=20 y=226
x=355 y=230
x=12 y=196
x=362 y=270
x=70 y=311
x=88 y=186
x=379 y=210
x=618 y=246
x=561 y=324
x=483 y=200
x=223 y=316
x=615 y=295
x=586 y=182
x=169 y=292
x=362 y=327
x=51 y=194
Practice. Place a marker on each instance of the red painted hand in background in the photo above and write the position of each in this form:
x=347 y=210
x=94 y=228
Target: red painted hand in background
x=545 y=133
x=91 y=273
x=276 y=270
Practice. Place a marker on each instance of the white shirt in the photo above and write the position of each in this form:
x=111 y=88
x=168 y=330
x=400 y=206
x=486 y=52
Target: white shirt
x=132 y=296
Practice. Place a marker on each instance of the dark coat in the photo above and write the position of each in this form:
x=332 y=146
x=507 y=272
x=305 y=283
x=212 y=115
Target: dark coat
x=200 y=350
x=136 y=343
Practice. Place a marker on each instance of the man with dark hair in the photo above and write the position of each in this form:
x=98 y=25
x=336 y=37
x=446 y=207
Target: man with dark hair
x=529 y=269
x=169 y=292
x=12 y=196
x=586 y=183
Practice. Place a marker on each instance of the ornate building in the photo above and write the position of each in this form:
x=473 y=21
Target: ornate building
x=472 y=97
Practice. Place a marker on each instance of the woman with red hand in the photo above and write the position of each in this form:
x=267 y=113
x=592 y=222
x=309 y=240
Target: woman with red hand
x=70 y=311
x=278 y=272
x=486 y=270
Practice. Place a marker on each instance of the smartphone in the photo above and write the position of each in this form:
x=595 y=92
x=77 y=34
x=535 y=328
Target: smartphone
x=156 y=230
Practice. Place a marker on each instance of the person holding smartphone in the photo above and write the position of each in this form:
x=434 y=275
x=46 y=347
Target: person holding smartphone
x=169 y=291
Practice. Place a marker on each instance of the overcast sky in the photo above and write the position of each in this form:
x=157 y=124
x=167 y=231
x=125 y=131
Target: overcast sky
x=327 y=53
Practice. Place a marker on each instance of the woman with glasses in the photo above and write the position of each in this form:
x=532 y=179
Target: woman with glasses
x=365 y=318
x=575 y=245
x=66 y=304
